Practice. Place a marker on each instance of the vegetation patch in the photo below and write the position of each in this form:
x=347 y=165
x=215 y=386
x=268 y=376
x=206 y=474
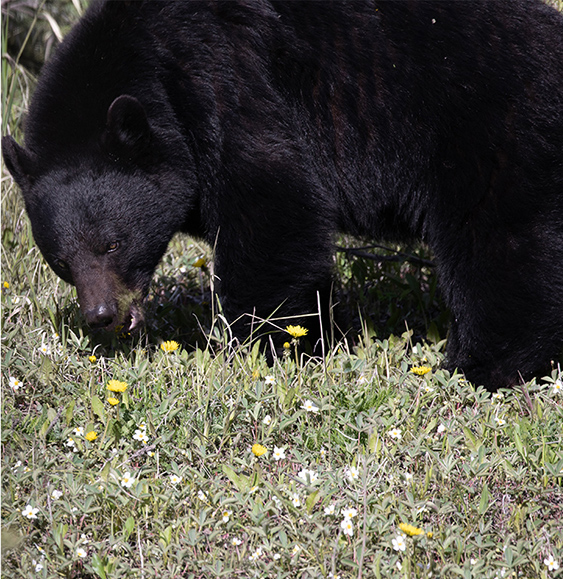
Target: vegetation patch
x=172 y=454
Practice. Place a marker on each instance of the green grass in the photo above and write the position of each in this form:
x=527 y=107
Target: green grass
x=481 y=476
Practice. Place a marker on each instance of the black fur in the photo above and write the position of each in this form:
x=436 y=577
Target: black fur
x=266 y=127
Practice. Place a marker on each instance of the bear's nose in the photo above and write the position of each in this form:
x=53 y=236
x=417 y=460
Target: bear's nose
x=100 y=316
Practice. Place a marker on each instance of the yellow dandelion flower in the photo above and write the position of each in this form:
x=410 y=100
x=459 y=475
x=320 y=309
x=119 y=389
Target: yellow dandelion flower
x=259 y=450
x=113 y=401
x=92 y=435
x=201 y=262
x=287 y=345
x=410 y=530
x=296 y=331
x=92 y=359
x=6 y=285
x=169 y=346
x=420 y=370
x=117 y=386
x=256 y=374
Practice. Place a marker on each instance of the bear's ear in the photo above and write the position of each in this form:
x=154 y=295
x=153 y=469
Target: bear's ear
x=127 y=128
x=19 y=162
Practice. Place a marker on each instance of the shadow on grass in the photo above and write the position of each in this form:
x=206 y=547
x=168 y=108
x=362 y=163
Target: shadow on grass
x=380 y=296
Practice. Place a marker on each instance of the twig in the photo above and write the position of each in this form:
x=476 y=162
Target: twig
x=142 y=451
x=140 y=547
x=54 y=421
x=399 y=255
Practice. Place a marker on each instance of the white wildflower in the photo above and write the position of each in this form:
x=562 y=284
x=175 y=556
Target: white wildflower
x=399 y=543
x=349 y=512
x=127 y=480
x=278 y=453
x=330 y=509
x=395 y=434
x=15 y=384
x=347 y=527
x=551 y=563
x=30 y=512
x=309 y=406
x=352 y=473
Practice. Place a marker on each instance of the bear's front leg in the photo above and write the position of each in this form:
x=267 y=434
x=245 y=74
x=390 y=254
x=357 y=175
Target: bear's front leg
x=273 y=260
x=507 y=318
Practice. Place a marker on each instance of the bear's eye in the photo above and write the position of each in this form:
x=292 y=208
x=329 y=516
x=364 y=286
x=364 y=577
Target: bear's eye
x=62 y=265
x=112 y=246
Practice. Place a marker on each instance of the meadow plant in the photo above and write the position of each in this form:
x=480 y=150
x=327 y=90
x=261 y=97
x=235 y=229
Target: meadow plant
x=171 y=454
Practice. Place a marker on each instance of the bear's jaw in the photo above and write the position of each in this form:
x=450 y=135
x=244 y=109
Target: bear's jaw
x=131 y=321
x=136 y=318
x=131 y=318
x=107 y=303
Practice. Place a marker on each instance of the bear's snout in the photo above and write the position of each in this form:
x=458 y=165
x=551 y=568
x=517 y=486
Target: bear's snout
x=101 y=316
x=105 y=300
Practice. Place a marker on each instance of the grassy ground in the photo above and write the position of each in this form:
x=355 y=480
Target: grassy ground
x=357 y=444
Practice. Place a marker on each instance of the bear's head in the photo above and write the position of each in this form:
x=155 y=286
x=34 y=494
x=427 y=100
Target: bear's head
x=101 y=217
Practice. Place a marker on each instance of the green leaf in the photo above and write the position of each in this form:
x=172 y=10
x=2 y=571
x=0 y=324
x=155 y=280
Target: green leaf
x=484 y=502
x=98 y=408
x=433 y=334
x=8 y=238
x=518 y=442
x=46 y=367
x=129 y=527
x=59 y=532
x=44 y=428
x=469 y=436
x=192 y=537
x=98 y=566
x=51 y=414
x=255 y=353
x=508 y=555
x=233 y=476
x=311 y=501
x=374 y=443
x=473 y=443
x=288 y=400
x=104 y=473
x=69 y=412
x=166 y=535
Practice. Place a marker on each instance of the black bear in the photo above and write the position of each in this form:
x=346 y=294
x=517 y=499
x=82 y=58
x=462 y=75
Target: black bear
x=266 y=127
